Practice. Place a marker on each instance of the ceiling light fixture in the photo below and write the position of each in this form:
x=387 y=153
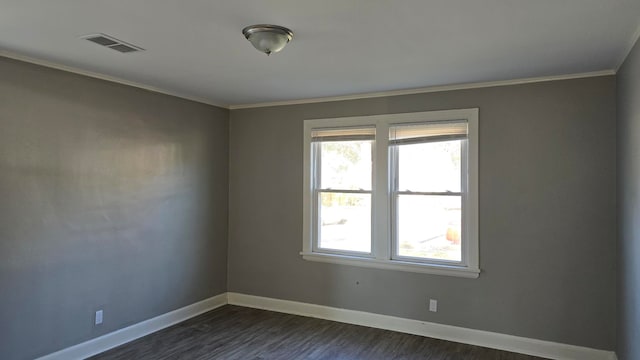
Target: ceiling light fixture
x=268 y=38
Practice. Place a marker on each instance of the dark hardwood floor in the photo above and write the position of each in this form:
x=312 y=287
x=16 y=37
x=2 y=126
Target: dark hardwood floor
x=233 y=332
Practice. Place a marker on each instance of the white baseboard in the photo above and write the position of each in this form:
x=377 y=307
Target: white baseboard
x=522 y=345
x=119 y=337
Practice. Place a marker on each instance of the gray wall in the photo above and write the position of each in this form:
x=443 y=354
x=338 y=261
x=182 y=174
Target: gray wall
x=629 y=207
x=110 y=197
x=117 y=198
x=547 y=214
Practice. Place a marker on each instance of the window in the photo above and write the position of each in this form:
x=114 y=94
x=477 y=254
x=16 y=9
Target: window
x=342 y=189
x=393 y=191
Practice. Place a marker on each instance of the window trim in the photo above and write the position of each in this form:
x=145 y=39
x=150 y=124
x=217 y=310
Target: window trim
x=381 y=256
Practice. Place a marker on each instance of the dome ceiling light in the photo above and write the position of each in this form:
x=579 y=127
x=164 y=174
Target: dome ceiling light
x=268 y=38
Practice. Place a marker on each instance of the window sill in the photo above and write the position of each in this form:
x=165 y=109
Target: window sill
x=464 y=272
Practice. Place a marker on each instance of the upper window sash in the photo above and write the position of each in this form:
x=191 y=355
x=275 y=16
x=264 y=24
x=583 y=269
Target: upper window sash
x=320 y=136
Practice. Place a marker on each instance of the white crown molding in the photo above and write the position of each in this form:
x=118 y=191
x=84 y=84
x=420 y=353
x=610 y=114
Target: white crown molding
x=428 y=89
x=114 y=79
x=627 y=50
x=130 y=333
x=534 y=347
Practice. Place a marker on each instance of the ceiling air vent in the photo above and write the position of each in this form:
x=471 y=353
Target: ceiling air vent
x=112 y=43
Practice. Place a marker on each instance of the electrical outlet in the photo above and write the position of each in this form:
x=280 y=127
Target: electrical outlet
x=433 y=305
x=98 y=317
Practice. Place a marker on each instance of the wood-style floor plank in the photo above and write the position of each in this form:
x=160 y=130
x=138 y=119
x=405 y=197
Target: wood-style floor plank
x=233 y=332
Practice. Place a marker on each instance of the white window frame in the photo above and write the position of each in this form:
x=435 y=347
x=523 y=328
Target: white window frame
x=382 y=256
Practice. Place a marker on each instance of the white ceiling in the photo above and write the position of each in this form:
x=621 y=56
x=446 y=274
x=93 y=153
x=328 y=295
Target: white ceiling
x=195 y=48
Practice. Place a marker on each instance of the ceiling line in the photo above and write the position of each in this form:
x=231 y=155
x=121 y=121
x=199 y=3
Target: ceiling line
x=429 y=89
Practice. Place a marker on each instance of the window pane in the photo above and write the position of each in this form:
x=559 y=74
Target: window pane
x=345 y=165
x=430 y=227
x=430 y=167
x=345 y=221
